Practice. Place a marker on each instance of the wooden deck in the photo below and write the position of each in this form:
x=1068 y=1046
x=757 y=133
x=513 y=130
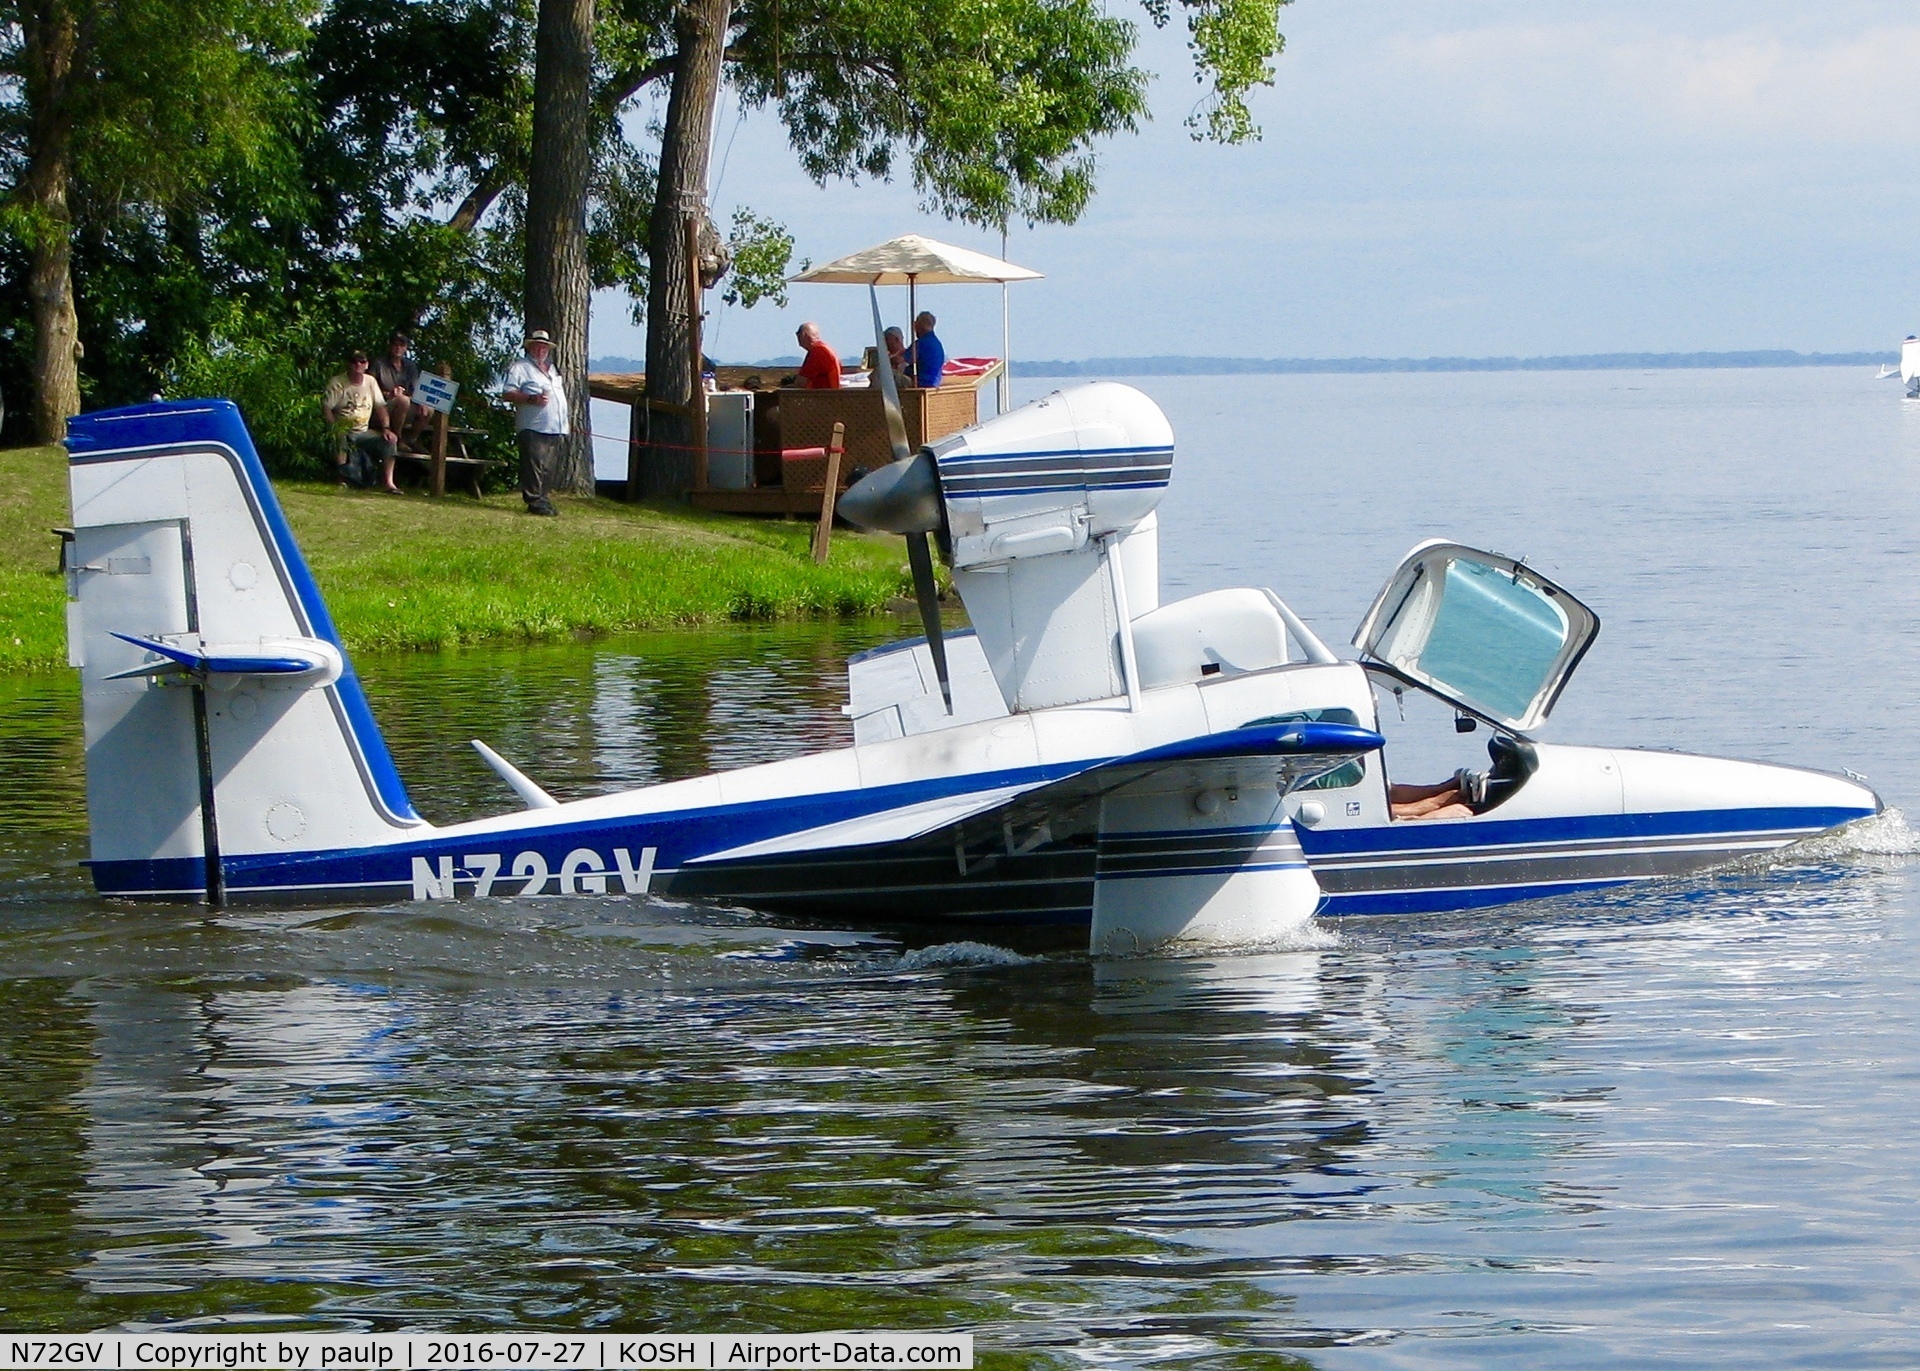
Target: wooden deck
x=791 y=418
x=624 y=387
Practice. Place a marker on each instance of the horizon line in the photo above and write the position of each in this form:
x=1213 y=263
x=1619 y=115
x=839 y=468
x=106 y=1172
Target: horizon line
x=1184 y=365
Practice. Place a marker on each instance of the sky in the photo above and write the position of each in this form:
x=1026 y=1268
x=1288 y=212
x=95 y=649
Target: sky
x=1473 y=178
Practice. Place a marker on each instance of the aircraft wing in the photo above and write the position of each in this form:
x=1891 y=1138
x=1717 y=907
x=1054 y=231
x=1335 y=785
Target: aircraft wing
x=1297 y=751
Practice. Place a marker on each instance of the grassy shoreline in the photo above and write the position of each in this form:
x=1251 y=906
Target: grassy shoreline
x=413 y=573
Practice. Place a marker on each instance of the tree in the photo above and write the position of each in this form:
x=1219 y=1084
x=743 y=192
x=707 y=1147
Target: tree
x=123 y=108
x=558 y=290
x=223 y=195
x=50 y=47
x=680 y=201
x=996 y=106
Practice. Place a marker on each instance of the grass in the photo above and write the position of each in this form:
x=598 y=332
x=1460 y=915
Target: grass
x=33 y=499
x=410 y=572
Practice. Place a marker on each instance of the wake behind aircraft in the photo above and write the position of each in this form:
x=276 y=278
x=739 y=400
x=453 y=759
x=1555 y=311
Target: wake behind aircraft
x=1084 y=757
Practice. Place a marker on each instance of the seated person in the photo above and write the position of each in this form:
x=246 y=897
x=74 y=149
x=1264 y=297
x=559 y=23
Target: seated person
x=399 y=377
x=928 y=356
x=897 y=358
x=1451 y=799
x=353 y=405
x=820 y=369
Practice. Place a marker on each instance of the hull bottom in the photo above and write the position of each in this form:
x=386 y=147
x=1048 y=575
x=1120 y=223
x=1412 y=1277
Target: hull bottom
x=1406 y=869
x=1402 y=869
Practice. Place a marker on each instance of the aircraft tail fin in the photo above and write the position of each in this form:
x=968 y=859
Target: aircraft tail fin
x=223 y=717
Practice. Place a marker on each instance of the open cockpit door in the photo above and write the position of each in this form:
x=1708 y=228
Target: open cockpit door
x=1479 y=630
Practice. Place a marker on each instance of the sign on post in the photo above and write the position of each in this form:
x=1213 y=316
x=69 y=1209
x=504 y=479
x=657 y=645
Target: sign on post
x=436 y=393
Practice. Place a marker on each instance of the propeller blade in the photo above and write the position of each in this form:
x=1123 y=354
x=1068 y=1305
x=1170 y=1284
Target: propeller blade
x=924 y=591
x=904 y=497
x=889 y=392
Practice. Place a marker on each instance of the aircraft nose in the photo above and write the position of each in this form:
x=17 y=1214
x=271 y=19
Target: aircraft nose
x=901 y=497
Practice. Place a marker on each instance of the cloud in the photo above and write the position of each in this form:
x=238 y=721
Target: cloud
x=1596 y=81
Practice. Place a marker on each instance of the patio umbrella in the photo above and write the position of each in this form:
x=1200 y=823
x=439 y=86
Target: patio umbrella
x=911 y=261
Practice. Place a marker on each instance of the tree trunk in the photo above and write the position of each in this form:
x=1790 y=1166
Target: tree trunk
x=559 y=291
x=700 y=27
x=51 y=42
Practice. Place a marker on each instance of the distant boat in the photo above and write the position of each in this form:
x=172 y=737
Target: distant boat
x=1909 y=369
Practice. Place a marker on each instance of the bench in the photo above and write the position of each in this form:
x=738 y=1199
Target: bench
x=461 y=466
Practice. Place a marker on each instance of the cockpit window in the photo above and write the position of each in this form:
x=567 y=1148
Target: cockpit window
x=1493 y=638
x=1479 y=630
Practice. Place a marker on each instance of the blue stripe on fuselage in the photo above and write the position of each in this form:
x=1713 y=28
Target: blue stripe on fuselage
x=1415 y=837
x=679 y=836
x=966 y=459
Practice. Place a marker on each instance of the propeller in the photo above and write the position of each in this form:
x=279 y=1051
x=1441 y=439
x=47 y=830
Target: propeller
x=904 y=497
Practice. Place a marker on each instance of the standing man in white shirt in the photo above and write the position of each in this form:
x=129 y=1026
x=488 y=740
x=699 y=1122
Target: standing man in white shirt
x=535 y=389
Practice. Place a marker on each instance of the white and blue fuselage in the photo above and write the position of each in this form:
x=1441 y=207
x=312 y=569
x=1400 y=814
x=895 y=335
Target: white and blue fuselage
x=1203 y=769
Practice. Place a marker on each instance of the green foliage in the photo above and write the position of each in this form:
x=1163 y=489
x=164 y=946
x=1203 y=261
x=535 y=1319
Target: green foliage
x=182 y=94
x=269 y=367
x=163 y=96
x=163 y=101
x=620 y=207
x=762 y=255
x=1234 y=43
x=996 y=103
x=260 y=185
x=273 y=356
x=427 y=99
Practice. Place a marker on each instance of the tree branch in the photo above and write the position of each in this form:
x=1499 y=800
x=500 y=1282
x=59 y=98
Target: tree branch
x=479 y=200
x=632 y=80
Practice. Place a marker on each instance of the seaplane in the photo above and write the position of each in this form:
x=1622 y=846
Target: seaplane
x=1084 y=757
x=1908 y=369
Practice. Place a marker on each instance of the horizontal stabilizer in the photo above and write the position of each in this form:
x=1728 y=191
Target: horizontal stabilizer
x=1298 y=751
x=268 y=657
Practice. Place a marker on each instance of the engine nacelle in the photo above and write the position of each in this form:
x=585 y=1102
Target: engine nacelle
x=1054 y=475
x=1055 y=539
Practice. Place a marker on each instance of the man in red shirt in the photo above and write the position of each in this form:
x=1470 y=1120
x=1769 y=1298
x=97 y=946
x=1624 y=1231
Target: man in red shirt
x=820 y=370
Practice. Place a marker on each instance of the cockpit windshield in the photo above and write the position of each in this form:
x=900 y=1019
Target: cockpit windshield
x=1479 y=630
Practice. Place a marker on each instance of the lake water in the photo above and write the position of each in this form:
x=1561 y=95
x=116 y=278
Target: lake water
x=1672 y=1126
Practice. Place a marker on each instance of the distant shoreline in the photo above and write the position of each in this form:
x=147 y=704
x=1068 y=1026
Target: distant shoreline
x=1599 y=361
x=1256 y=366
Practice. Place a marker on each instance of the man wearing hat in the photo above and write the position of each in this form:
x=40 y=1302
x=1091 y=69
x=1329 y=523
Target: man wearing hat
x=535 y=389
x=357 y=414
